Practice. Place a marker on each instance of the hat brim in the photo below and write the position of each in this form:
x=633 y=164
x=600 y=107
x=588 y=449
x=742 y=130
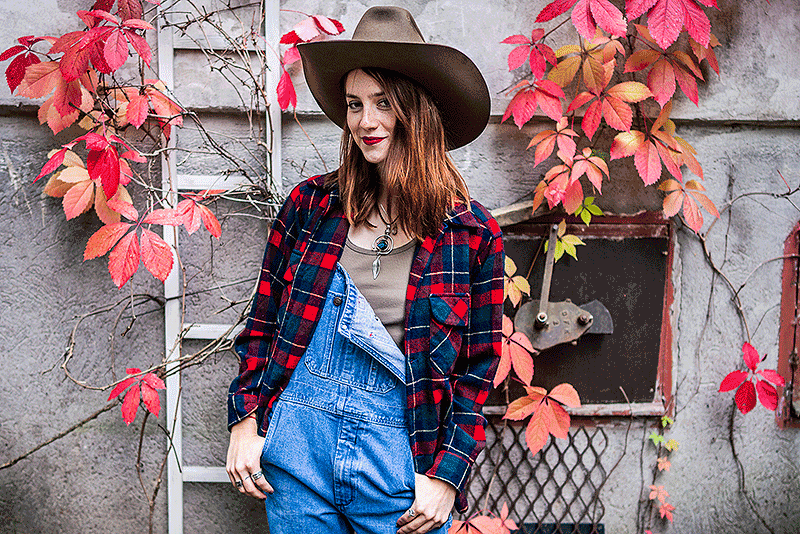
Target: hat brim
x=452 y=79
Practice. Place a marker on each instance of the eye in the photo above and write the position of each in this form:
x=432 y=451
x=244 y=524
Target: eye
x=354 y=105
x=384 y=103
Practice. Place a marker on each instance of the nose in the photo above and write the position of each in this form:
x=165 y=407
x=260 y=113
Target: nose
x=369 y=120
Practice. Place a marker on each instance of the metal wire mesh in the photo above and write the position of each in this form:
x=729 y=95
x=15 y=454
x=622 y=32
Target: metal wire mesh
x=555 y=491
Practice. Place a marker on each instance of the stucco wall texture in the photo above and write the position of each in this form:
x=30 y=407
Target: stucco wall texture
x=746 y=130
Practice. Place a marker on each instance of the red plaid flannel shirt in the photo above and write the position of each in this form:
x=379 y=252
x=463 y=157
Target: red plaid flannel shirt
x=454 y=305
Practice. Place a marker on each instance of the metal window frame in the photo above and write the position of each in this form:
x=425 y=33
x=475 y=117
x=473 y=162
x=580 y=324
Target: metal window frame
x=516 y=217
x=177 y=472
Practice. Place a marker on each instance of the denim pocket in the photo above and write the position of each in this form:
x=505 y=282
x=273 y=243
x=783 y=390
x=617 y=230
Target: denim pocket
x=449 y=313
x=274 y=420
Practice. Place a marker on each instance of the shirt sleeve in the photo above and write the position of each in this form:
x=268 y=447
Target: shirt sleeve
x=474 y=369
x=252 y=345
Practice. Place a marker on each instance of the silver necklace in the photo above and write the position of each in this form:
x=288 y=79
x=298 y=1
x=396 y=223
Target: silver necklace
x=383 y=244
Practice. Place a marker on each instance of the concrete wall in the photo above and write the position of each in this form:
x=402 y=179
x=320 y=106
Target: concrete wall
x=745 y=131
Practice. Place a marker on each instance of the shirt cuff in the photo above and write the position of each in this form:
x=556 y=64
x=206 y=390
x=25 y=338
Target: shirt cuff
x=454 y=469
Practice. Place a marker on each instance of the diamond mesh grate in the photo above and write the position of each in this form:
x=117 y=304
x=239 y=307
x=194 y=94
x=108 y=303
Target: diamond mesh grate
x=557 y=490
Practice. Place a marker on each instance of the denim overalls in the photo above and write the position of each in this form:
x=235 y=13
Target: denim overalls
x=337 y=451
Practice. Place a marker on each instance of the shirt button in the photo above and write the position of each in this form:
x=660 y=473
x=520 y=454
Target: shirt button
x=337 y=301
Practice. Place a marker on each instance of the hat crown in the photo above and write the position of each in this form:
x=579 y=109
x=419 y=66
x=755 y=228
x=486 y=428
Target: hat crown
x=387 y=23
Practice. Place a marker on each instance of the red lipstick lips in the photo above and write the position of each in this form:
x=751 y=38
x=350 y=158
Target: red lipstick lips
x=372 y=140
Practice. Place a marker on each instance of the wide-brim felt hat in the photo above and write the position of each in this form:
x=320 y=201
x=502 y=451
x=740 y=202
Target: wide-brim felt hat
x=388 y=38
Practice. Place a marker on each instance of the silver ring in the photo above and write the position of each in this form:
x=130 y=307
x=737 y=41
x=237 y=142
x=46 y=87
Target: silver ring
x=239 y=483
x=411 y=512
x=257 y=475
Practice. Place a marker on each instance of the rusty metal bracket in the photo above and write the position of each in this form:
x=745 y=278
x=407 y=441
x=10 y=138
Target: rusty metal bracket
x=548 y=324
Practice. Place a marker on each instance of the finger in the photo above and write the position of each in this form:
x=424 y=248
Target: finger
x=251 y=489
x=261 y=482
x=414 y=526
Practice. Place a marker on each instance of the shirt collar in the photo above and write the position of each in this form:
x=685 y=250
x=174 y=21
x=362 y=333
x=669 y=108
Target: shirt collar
x=460 y=215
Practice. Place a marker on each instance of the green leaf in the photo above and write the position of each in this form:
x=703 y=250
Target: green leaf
x=657 y=438
x=559 y=250
x=569 y=248
x=572 y=240
x=666 y=421
x=586 y=216
x=594 y=210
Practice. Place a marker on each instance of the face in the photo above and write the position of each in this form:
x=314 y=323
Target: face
x=369 y=116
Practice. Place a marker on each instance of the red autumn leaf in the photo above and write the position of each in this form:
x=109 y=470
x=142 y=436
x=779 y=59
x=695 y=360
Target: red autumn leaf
x=587 y=15
x=156 y=255
x=565 y=394
x=522 y=407
x=767 y=394
x=772 y=376
x=747 y=392
x=745 y=397
x=130 y=405
x=328 y=25
x=687 y=83
x=536 y=54
x=666 y=19
x=128 y=9
x=554 y=9
x=592 y=166
x=664 y=464
x=691 y=211
x=751 y=358
x=658 y=492
x=648 y=163
x=536 y=434
x=286 y=94
x=104 y=239
x=666 y=510
x=124 y=206
x=573 y=197
x=122 y=386
x=547 y=415
x=162 y=216
x=54 y=162
x=138 y=42
x=78 y=199
x=290 y=38
x=290 y=56
x=137 y=109
x=124 y=259
x=706 y=52
x=154 y=381
x=542 y=93
x=15 y=72
x=733 y=380
x=11 y=52
x=150 y=398
x=661 y=81
x=546 y=141
x=210 y=221
x=115 y=50
x=103 y=166
x=40 y=80
x=520 y=349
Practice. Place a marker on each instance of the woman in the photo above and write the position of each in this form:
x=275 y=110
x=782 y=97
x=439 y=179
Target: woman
x=353 y=432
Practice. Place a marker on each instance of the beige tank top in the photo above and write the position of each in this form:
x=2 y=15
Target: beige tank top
x=387 y=293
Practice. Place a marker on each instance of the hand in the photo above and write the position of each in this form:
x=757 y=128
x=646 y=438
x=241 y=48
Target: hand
x=244 y=459
x=432 y=506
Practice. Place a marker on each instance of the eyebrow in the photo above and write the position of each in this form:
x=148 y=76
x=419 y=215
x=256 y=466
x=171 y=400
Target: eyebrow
x=373 y=95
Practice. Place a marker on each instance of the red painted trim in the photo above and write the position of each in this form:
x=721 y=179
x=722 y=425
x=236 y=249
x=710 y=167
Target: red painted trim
x=787 y=337
x=665 y=386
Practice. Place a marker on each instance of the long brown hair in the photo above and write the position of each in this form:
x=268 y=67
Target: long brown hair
x=418 y=172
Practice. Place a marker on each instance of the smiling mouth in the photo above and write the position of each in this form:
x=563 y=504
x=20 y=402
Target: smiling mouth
x=372 y=140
